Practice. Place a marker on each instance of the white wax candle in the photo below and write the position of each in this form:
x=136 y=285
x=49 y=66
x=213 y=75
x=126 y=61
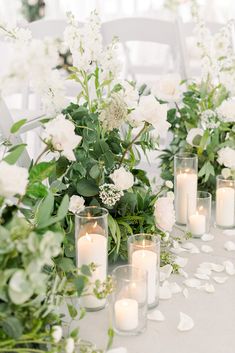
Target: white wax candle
x=197 y=224
x=225 y=207
x=186 y=194
x=93 y=248
x=147 y=261
x=126 y=314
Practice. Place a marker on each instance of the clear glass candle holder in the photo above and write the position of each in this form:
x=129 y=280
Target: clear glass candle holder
x=129 y=300
x=91 y=239
x=144 y=253
x=225 y=202
x=199 y=218
x=185 y=184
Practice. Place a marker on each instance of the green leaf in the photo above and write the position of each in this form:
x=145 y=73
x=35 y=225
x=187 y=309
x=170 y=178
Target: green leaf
x=95 y=171
x=80 y=284
x=45 y=210
x=85 y=270
x=41 y=171
x=16 y=127
x=62 y=212
x=15 y=154
x=12 y=327
x=87 y=188
x=72 y=311
x=65 y=264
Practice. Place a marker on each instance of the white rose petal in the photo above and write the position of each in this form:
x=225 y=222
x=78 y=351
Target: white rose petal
x=202 y=276
x=217 y=267
x=207 y=237
x=192 y=248
x=206 y=265
x=186 y=293
x=192 y=283
x=186 y=322
x=204 y=271
x=229 y=267
x=229 y=246
x=175 y=288
x=183 y=273
x=165 y=272
x=123 y=180
x=220 y=280
x=181 y=261
x=76 y=203
x=156 y=315
x=13 y=180
x=165 y=291
x=209 y=288
x=206 y=248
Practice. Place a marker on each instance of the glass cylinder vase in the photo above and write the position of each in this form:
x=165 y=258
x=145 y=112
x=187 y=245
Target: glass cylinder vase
x=129 y=300
x=199 y=218
x=185 y=185
x=144 y=253
x=225 y=202
x=91 y=238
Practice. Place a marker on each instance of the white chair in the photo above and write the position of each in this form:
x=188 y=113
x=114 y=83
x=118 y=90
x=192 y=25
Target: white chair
x=146 y=30
x=47 y=28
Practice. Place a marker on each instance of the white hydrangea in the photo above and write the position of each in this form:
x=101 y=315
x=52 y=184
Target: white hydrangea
x=226 y=157
x=59 y=132
x=164 y=213
x=76 y=203
x=226 y=111
x=13 y=180
x=123 y=179
x=168 y=88
x=209 y=120
x=109 y=194
x=192 y=134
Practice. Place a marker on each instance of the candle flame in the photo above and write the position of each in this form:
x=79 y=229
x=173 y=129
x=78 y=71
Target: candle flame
x=88 y=237
x=200 y=208
x=94 y=225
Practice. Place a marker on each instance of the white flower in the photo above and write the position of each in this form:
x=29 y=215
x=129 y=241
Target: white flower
x=168 y=88
x=226 y=157
x=130 y=95
x=209 y=120
x=192 y=134
x=226 y=173
x=13 y=180
x=123 y=180
x=60 y=133
x=170 y=195
x=226 y=111
x=151 y=111
x=69 y=345
x=109 y=194
x=76 y=203
x=169 y=184
x=164 y=213
x=57 y=333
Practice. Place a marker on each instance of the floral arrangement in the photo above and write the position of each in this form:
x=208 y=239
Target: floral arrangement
x=202 y=120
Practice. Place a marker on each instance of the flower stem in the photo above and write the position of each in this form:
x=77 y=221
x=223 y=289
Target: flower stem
x=41 y=154
x=145 y=127
x=23 y=350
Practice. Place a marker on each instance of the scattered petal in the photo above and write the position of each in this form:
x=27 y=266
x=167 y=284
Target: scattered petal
x=206 y=248
x=207 y=237
x=165 y=291
x=229 y=267
x=220 y=280
x=156 y=315
x=229 y=232
x=229 y=245
x=204 y=271
x=202 y=276
x=183 y=273
x=186 y=322
x=209 y=288
x=217 y=267
x=181 y=261
x=175 y=288
x=206 y=265
x=165 y=272
x=188 y=245
x=192 y=283
x=186 y=293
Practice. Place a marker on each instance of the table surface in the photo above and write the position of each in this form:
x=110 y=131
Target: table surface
x=213 y=313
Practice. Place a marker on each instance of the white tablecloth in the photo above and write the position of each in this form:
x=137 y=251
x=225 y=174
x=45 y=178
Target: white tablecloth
x=213 y=314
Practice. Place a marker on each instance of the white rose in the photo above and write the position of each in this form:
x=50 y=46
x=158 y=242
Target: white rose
x=194 y=132
x=164 y=213
x=226 y=173
x=226 y=111
x=57 y=333
x=122 y=179
x=169 y=184
x=69 y=345
x=13 y=180
x=226 y=157
x=130 y=95
x=168 y=88
x=60 y=133
x=76 y=203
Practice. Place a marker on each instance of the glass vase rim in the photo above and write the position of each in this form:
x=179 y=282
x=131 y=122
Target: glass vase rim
x=221 y=177
x=156 y=237
x=186 y=155
x=209 y=195
x=143 y=273
x=102 y=209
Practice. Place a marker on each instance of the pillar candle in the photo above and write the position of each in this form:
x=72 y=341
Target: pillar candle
x=197 y=224
x=225 y=207
x=126 y=314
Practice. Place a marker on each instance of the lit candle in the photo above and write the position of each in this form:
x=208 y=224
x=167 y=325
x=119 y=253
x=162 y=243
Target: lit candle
x=126 y=314
x=225 y=207
x=147 y=261
x=93 y=248
x=186 y=193
x=197 y=224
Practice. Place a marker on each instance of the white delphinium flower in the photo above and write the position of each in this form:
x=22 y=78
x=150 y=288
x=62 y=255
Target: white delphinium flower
x=209 y=120
x=164 y=213
x=115 y=113
x=109 y=194
x=59 y=133
x=57 y=333
x=69 y=345
x=109 y=62
x=168 y=88
x=194 y=133
x=13 y=180
x=76 y=203
x=226 y=111
x=123 y=179
x=226 y=157
x=130 y=95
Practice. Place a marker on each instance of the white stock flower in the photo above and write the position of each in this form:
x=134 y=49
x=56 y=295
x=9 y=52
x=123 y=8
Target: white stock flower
x=168 y=88
x=226 y=111
x=192 y=134
x=57 y=333
x=13 y=180
x=164 y=213
x=226 y=157
x=76 y=203
x=59 y=132
x=69 y=345
x=123 y=180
